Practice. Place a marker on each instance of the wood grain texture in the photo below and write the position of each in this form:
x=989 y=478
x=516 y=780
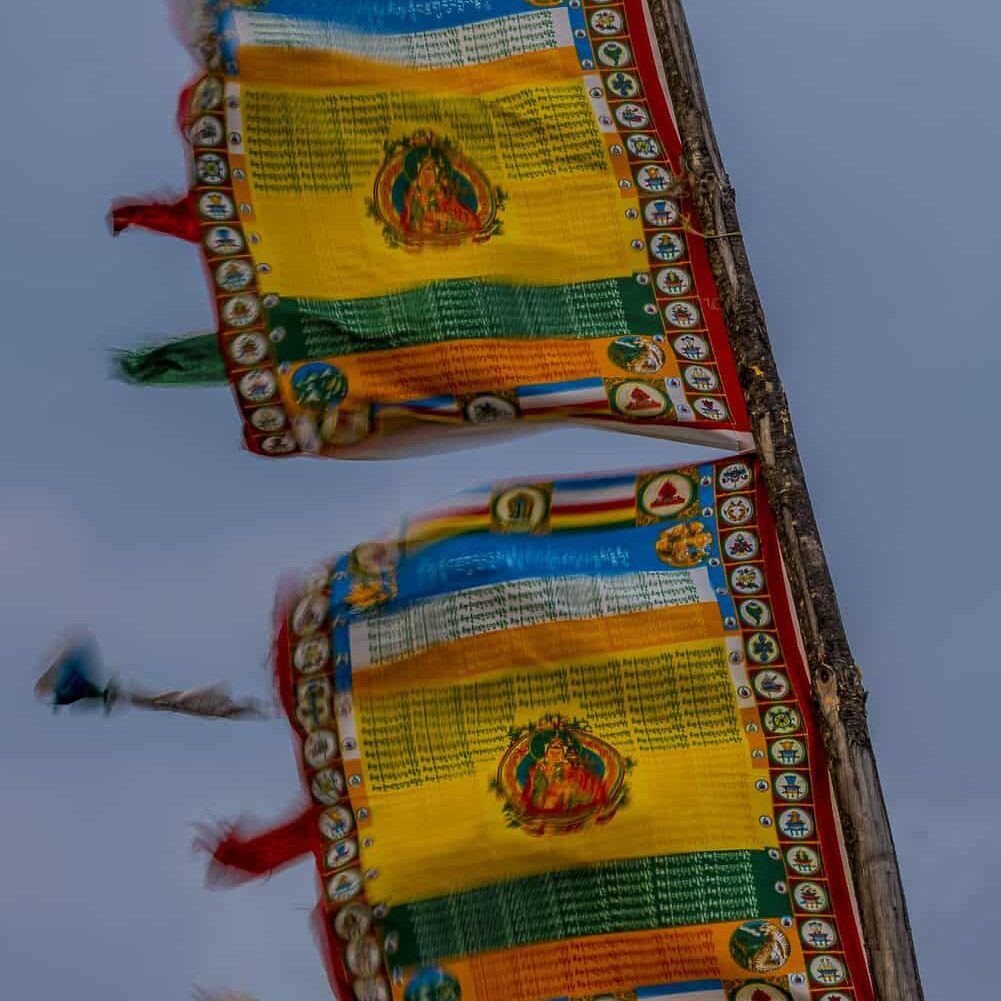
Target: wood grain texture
x=838 y=691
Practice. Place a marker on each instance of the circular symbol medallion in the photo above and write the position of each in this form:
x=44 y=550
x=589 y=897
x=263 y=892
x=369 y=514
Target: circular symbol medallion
x=211 y=168
x=758 y=990
x=773 y=685
x=667 y=495
x=700 y=378
x=691 y=346
x=319 y=748
x=241 y=310
x=233 y=276
x=663 y=212
x=782 y=720
x=792 y=786
x=344 y=885
x=309 y=614
x=810 y=897
x=490 y=410
x=353 y=922
x=248 y=349
x=796 y=824
x=818 y=934
x=206 y=95
x=223 y=241
x=684 y=315
x=637 y=354
x=710 y=408
x=762 y=648
x=622 y=84
x=654 y=178
x=268 y=419
x=759 y=946
x=311 y=655
x=633 y=116
x=328 y=786
x=674 y=281
x=363 y=955
x=317 y=385
x=614 y=54
x=735 y=476
x=644 y=146
x=639 y=399
x=741 y=545
x=606 y=22
x=827 y=970
x=788 y=751
x=216 y=205
x=336 y=822
x=371 y=989
x=803 y=860
x=667 y=246
x=258 y=385
x=520 y=509
x=207 y=131
x=737 y=511
x=747 y=580
x=340 y=853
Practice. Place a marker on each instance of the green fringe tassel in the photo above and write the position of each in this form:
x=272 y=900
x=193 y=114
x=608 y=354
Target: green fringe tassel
x=185 y=361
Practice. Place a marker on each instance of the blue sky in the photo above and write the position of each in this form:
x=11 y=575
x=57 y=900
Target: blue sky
x=861 y=139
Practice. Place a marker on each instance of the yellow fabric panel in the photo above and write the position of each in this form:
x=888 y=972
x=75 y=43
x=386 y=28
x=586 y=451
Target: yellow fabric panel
x=312 y=173
x=313 y=69
x=701 y=799
x=547 y=643
x=429 y=753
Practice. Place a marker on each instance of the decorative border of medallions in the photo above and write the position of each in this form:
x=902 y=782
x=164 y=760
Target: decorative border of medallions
x=353 y=925
x=646 y=140
x=799 y=808
x=212 y=127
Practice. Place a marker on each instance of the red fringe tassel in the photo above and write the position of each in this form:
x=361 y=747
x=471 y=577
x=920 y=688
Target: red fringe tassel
x=238 y=857
x=173 y=218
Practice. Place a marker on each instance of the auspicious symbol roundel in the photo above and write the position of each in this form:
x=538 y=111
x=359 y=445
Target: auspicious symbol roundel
x=428 y=193
x=557 y=777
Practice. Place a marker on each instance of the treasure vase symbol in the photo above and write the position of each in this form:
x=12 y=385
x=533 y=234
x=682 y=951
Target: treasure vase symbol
x=429 y=193
x=557 y=777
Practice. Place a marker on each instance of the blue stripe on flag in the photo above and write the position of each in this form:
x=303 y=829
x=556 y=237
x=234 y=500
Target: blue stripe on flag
x=547 y=388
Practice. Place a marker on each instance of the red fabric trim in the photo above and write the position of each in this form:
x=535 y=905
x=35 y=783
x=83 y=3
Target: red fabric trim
x=238 y=857
x=834 y=869
x=660 y=112
x=184 y=104
x=173 y=218
x=331 y=948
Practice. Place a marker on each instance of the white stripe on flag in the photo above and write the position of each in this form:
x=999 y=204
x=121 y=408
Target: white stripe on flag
x=380 y=639
x=566 y=500
x=464 y=45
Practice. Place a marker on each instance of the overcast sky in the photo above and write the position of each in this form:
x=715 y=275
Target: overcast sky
x=862 y=139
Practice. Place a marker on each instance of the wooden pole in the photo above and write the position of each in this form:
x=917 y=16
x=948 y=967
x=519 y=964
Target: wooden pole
x=838 y=691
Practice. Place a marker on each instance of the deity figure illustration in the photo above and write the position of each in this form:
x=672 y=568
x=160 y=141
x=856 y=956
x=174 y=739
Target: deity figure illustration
x=427 y=192
x=557 y=777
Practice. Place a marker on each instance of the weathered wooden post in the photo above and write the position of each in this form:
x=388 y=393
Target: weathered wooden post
x=836 y=678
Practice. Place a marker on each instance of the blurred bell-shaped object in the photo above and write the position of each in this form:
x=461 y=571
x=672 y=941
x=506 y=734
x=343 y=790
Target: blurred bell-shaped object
x=75 y=675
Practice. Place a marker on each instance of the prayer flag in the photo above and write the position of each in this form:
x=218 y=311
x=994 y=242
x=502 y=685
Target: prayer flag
x=427 y=219
x=558 y=742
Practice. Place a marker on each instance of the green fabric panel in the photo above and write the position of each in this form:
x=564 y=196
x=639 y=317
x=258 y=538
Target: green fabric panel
x=635 y=895
x=454 y=310
x=187 y=361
